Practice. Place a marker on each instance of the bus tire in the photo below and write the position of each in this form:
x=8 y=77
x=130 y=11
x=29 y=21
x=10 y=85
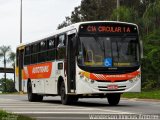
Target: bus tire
x=39 y=98
x=31 y=97
x=113 y=99
x=65 y=99
x=74 y=99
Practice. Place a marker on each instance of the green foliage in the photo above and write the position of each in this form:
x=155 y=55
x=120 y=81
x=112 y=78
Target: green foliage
x=150 y=94
x=124 y=14
x=151 y=15
x=90 y=10
x=97 y=9
x=76 y=15
x=152 y=50
x=9 y=85
x=151 y=61
x=12 y=57
x=8 y=116
x=3 y=114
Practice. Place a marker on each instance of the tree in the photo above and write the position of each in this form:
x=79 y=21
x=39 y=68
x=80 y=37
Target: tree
x=151 y=15
x=97 y=9
x=9 y=83
x=64 y=23
x=91 y=10
x=151 y=61
x=76 y=15
x=125 y=14
x=11 y=59
x=3 y=53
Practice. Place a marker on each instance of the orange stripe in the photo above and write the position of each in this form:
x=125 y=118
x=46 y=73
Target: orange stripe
x=113 y=78
x=38 y=71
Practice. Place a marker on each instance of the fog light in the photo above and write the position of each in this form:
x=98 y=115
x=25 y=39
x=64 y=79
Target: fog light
x=134 y=79
x=131 y=80
x=92 y=81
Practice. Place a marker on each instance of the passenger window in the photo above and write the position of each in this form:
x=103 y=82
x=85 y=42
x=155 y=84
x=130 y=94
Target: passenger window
x=51 y=44
x=61 y=41
x=27 y=50
x=43 y=45
x=34 y=47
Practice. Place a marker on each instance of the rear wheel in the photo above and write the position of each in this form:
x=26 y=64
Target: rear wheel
x=32 y=97
x=113 y=99
x=39 y=98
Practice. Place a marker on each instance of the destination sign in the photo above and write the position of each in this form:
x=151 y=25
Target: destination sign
x=108 y=28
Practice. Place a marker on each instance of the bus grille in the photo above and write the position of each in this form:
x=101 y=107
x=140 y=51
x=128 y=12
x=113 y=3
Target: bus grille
x=104 y=88
x=110 y=81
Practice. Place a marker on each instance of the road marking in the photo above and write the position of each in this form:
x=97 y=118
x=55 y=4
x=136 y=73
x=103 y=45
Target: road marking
x=59 y=108
x=5 y=100
x=24 y=107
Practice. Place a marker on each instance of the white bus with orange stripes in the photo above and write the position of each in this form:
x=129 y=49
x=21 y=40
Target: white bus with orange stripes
x=86 y=59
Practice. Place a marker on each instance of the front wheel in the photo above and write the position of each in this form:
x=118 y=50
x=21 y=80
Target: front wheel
x=113 y=99
x=65 y=99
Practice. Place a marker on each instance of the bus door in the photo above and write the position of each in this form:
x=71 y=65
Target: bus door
x=71 y=64
x=20 y=57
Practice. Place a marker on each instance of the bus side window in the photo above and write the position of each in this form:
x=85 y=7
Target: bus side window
x=61 y=41
x=27 y=55
x=43 y=45
x=42 y=55
x=34 y=54
x=51 y=43
x=51 y=49
x=27 y=50
x=61 y=48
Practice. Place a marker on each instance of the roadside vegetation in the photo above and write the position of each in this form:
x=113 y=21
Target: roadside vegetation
x=7 y=56
x=8 y=116
x=152 y=94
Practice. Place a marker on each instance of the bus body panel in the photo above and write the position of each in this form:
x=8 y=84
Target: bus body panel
x=16 y=79
x=43 y=84
x=86 y=85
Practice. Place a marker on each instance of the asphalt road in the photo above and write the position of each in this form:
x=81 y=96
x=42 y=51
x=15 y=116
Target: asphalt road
x=52 y=109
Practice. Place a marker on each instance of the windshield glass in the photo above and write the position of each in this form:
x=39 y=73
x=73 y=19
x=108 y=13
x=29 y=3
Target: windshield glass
x=100 y=51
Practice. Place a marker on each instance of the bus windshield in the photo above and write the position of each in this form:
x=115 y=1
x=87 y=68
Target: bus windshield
x=105 y=51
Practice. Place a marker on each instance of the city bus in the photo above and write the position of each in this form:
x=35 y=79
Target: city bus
x=95 y=59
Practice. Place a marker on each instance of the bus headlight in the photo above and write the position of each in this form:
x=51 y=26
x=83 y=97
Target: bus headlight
x=135 y=79
x=87 y=79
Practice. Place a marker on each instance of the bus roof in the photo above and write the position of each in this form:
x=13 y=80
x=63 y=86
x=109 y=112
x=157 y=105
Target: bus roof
x=71 y=27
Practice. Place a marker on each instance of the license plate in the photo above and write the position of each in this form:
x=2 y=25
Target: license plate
x=112 y=87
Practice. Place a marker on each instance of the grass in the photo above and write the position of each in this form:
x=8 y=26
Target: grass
x=9 y=93
x=9 y=116
x=152 y=94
